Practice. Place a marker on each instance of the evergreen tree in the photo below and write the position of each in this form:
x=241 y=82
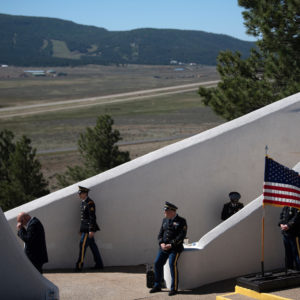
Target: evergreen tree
x=23 y=180
x=272 y=70
x=6 y=148
x=99 y=151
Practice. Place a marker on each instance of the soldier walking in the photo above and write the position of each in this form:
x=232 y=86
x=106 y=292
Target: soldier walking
x=88 y=227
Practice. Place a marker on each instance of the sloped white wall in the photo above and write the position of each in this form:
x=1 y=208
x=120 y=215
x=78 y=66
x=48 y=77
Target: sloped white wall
x=19 y=278
x=196 y=174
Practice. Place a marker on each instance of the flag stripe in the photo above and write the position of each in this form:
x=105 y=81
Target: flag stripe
x=281 y=187
x=280 y=199
x=281 y=193
x=283 y=196
x=281 y=203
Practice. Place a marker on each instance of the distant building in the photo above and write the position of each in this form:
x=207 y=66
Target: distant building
x=51 y=72
x=173 y=62
x=4 y=66
x=36 y=72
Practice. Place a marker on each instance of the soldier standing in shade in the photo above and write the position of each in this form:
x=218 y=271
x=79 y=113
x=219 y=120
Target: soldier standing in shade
x=233 y=206
x=170 y=238
x=290 y=224
x=88 y=227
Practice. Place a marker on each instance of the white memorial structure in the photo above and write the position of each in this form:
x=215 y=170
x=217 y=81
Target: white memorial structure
x=195 y=174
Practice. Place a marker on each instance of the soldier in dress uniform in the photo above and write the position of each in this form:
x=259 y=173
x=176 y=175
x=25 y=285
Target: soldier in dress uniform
x=290 y=228
x=170 y=239
x=88 y=227
x=233 y=206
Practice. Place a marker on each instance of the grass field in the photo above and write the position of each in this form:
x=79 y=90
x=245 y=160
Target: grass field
x=145 y=124
x=60 y=49
x=90 y=81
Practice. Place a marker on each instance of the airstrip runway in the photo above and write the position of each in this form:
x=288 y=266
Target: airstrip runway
x=9 y=112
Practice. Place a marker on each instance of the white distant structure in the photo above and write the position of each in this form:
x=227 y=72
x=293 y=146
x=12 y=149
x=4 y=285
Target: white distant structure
x=36 y=72
x=196 y=175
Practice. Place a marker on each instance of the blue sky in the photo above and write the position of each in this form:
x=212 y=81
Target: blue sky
x=217 y=16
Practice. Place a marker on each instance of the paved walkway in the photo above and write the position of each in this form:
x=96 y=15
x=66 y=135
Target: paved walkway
x=118 y=283
x=129 y=283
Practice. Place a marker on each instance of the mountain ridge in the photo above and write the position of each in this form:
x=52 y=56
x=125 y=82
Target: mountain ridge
x=38 y=41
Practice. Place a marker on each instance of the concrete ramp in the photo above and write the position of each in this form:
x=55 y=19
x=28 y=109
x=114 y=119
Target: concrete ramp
x=19 y=278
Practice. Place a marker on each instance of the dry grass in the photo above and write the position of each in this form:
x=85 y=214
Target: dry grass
x=145 y=124
x=91 y=81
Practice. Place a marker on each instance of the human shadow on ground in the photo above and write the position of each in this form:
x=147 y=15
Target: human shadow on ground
x=224 y=286
x=139 y=269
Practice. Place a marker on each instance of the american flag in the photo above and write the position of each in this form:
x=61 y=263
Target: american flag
x=282 y=185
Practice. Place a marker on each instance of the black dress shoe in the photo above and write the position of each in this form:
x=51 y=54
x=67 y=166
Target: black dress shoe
x=96 y=268
x=172 y=293
x=155 y=289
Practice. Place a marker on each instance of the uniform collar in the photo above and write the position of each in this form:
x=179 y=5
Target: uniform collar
x=86 y=199
x=172 y=218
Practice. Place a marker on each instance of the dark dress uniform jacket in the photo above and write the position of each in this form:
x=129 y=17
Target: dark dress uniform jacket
x=230 y=209
x=173 y=231
x=290 y=216
x=35 y=242
x=88 y=216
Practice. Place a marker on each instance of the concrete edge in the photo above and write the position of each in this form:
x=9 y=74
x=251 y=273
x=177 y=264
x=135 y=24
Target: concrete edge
x=256 y=295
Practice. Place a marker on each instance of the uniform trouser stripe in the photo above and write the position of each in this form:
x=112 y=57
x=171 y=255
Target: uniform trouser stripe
x=176 y=272
x=298 y=247
x=83 y=247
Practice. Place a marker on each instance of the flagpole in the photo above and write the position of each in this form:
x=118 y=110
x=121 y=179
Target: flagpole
x=263 y=242
x=263 y=232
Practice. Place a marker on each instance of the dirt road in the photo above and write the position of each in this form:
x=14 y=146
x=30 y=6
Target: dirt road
x=9 y=112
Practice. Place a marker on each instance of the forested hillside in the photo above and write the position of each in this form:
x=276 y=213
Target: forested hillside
x=36 y=41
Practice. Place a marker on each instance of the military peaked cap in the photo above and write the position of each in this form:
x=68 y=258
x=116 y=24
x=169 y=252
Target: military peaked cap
x=234 y=195
x=169 y=205
x=82 y=189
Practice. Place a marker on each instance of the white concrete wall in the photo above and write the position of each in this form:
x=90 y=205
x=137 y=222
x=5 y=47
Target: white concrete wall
x=196 y=174
x=19 y=278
